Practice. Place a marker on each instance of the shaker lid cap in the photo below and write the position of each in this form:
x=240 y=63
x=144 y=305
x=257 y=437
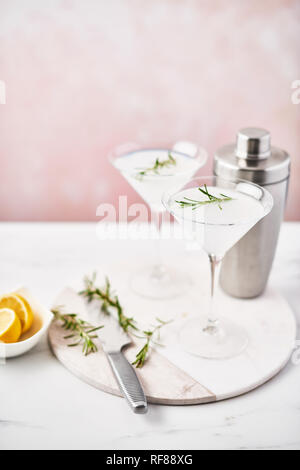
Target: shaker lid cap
x=253 y=143
x=252 y=158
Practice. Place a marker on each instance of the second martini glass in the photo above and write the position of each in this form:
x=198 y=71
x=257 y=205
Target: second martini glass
x=218 y=213
x=151 y=172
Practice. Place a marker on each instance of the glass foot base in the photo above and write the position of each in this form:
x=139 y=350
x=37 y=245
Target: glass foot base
x=221 y=342
x=159 y=283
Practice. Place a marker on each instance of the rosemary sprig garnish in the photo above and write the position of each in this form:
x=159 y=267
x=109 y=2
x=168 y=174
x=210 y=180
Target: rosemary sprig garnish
x=170 y=161
x=81 y=330
x=108 y=300
x=194 y=204
x=148 y=335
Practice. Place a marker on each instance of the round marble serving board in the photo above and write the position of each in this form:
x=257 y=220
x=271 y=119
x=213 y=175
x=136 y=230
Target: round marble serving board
x=173 y=377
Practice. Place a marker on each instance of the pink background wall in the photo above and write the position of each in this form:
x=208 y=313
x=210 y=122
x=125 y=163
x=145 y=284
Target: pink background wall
x=85 y=75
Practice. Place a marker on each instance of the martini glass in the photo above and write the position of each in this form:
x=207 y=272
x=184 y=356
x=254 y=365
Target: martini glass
x=137 y=165
x=217 y=216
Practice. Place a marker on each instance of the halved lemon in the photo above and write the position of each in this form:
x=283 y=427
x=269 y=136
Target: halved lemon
x=10 y=326
x=21 y=308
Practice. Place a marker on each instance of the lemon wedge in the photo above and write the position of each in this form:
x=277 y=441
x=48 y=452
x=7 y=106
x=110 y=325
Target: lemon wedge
x=21 y=307
x=29 y=313
x=10 y=326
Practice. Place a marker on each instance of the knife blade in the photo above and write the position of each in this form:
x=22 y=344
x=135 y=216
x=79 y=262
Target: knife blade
x=113 y=339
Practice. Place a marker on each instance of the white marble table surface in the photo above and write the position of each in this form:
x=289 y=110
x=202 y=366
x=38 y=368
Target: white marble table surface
x=43 y=406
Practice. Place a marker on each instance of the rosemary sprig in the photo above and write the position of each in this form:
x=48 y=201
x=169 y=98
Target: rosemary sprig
x=194 y=204
x=81 y=330
x=170 y=161
x=148 y=335
x=108 y=300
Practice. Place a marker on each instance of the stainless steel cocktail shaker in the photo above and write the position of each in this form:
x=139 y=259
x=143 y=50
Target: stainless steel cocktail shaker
x=246 y=267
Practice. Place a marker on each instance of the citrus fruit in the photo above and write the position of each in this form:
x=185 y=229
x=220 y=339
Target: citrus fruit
x=10 y=326
x=21 y=308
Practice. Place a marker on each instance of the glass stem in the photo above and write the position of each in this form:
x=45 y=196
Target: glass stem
x=215 y=265
x=158 y=269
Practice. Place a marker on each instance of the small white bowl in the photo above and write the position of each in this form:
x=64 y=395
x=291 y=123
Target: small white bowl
x=41 y=322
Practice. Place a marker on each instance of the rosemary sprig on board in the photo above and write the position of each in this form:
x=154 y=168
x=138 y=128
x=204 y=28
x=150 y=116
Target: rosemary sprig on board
x=158 y=165
x=80 y=330
x=83 y=332
x=108 y=300
x=194 y=204
x=142 y=355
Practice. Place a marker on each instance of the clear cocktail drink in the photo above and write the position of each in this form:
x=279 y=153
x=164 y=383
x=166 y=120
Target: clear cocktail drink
x=218 y=213
x=151 y=172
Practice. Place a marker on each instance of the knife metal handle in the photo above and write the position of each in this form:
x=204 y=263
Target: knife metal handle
x=128 y=382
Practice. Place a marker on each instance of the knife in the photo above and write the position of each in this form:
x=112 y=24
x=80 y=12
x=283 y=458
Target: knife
x=114 y=339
